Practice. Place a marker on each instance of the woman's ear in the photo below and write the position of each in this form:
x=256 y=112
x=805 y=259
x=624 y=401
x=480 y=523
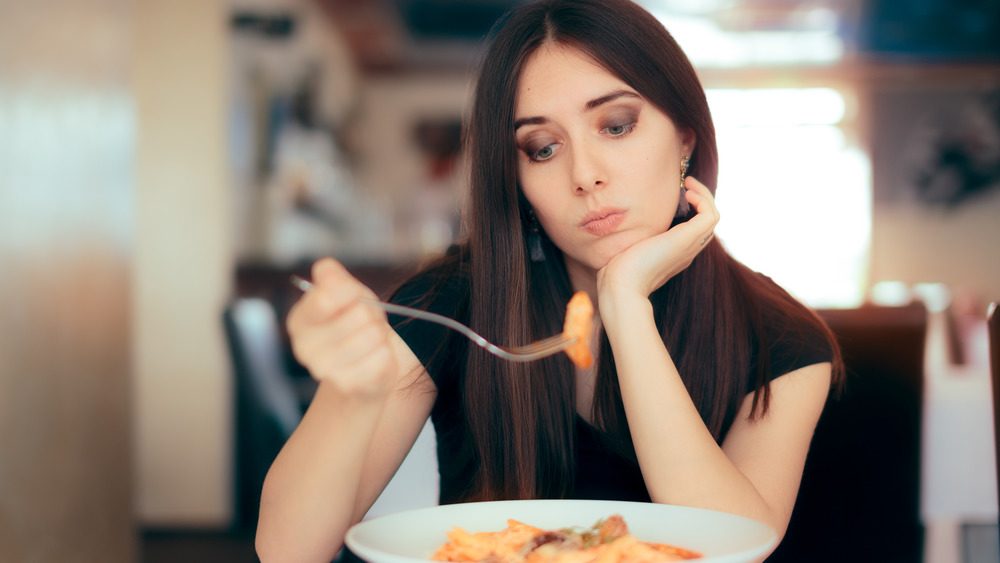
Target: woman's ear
x=688 y=141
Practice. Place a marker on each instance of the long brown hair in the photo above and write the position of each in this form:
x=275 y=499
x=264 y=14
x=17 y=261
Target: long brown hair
x=521 y=416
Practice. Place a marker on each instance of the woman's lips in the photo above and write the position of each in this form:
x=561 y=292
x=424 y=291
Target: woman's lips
x=602 y=222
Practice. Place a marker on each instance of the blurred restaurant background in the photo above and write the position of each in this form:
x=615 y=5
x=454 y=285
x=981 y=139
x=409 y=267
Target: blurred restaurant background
x=165 y=165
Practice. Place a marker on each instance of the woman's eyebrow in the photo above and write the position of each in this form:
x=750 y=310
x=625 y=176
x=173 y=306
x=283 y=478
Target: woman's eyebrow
x=609 y=97
x=529 y=121
x=592 y=104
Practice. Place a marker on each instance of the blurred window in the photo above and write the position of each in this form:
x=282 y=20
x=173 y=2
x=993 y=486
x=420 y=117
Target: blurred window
x=794 y=182
x=726 y=34
x=794 y=190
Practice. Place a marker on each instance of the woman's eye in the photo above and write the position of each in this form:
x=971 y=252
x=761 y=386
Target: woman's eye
x=619 y=130
x=543 y=153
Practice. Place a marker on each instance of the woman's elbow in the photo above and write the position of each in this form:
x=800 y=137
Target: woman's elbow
x=268 y=543
x=271 y=549
x=274 y=545
x=278 y=540
x=265 y=548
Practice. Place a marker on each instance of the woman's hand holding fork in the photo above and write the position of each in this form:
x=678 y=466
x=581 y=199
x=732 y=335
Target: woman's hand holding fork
x=340 y=339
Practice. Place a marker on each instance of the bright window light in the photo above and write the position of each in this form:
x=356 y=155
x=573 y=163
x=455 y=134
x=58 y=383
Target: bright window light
x=708 y=45
x=777 y=106
x=794 y=193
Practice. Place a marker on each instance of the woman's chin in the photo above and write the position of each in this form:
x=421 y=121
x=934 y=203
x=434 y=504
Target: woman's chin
x=597 y=260
x=611 y=248
x=600 y=254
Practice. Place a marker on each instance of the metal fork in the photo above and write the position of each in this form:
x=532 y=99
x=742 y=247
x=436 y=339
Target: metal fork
x=529 y=352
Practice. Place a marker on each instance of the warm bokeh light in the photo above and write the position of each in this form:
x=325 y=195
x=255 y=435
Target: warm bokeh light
x=794 y=192
x=713 y=38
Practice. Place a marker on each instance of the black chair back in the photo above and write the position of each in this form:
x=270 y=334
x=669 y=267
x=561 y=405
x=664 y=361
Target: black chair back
x=860 y=494
x=267 y=407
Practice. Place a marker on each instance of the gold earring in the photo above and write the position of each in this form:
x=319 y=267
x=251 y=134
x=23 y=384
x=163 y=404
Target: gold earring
x=684 y=169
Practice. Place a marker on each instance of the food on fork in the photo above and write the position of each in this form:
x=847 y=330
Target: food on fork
x=579 y=324
x=607 y=541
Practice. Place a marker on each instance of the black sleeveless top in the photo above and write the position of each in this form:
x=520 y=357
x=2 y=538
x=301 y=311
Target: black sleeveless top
x=600 y=473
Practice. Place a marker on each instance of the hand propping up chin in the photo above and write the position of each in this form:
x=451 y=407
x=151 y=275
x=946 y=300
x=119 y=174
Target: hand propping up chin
x=647 y=265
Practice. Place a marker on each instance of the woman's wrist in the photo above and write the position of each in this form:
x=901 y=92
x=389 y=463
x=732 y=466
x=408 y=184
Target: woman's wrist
x=348 y=404
x=620 y=308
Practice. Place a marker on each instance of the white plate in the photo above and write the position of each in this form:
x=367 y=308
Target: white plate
x=414 y=535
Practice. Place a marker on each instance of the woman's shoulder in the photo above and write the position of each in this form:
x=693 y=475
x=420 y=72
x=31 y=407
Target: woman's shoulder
x=791 y=333
x=441 y=286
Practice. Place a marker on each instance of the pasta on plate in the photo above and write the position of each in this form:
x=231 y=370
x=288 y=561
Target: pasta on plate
x=607 y=541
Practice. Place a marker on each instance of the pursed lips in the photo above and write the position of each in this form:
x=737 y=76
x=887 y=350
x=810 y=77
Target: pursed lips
x=602 y=221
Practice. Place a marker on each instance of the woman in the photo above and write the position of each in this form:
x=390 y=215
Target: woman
x=709 y=379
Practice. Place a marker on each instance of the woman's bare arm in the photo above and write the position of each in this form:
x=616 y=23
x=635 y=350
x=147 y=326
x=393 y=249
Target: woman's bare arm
x=756 y=471
x=372 y=401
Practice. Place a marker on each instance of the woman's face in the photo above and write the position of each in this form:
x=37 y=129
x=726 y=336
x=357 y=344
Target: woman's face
x=599 y=164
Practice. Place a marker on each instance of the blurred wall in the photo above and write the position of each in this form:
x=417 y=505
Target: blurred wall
x=67 y=130
x=183 y=264
x=934 y=138
x=914 y=244
x=392 y=168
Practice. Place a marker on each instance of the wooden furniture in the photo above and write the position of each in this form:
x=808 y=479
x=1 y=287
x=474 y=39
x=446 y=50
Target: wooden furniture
x=860 y=494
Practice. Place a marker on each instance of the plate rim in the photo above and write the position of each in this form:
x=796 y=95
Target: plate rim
x=361 y=550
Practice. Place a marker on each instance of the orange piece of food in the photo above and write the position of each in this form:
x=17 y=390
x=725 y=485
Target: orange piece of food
x=579 y=324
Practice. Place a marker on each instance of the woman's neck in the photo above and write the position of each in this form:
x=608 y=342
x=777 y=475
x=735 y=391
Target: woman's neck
x=583 y=278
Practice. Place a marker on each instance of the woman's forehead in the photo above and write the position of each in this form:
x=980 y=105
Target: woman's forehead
x=556 y=75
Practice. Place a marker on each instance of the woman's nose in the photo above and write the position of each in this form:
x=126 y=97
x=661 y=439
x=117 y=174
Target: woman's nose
x=588 y=171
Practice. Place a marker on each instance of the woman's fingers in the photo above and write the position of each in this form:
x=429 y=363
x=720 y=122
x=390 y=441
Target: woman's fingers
x=647 y=265
x=707 y=216
x=357 y=366
x=342 y=334
x=338 y=337
x=334 y=290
